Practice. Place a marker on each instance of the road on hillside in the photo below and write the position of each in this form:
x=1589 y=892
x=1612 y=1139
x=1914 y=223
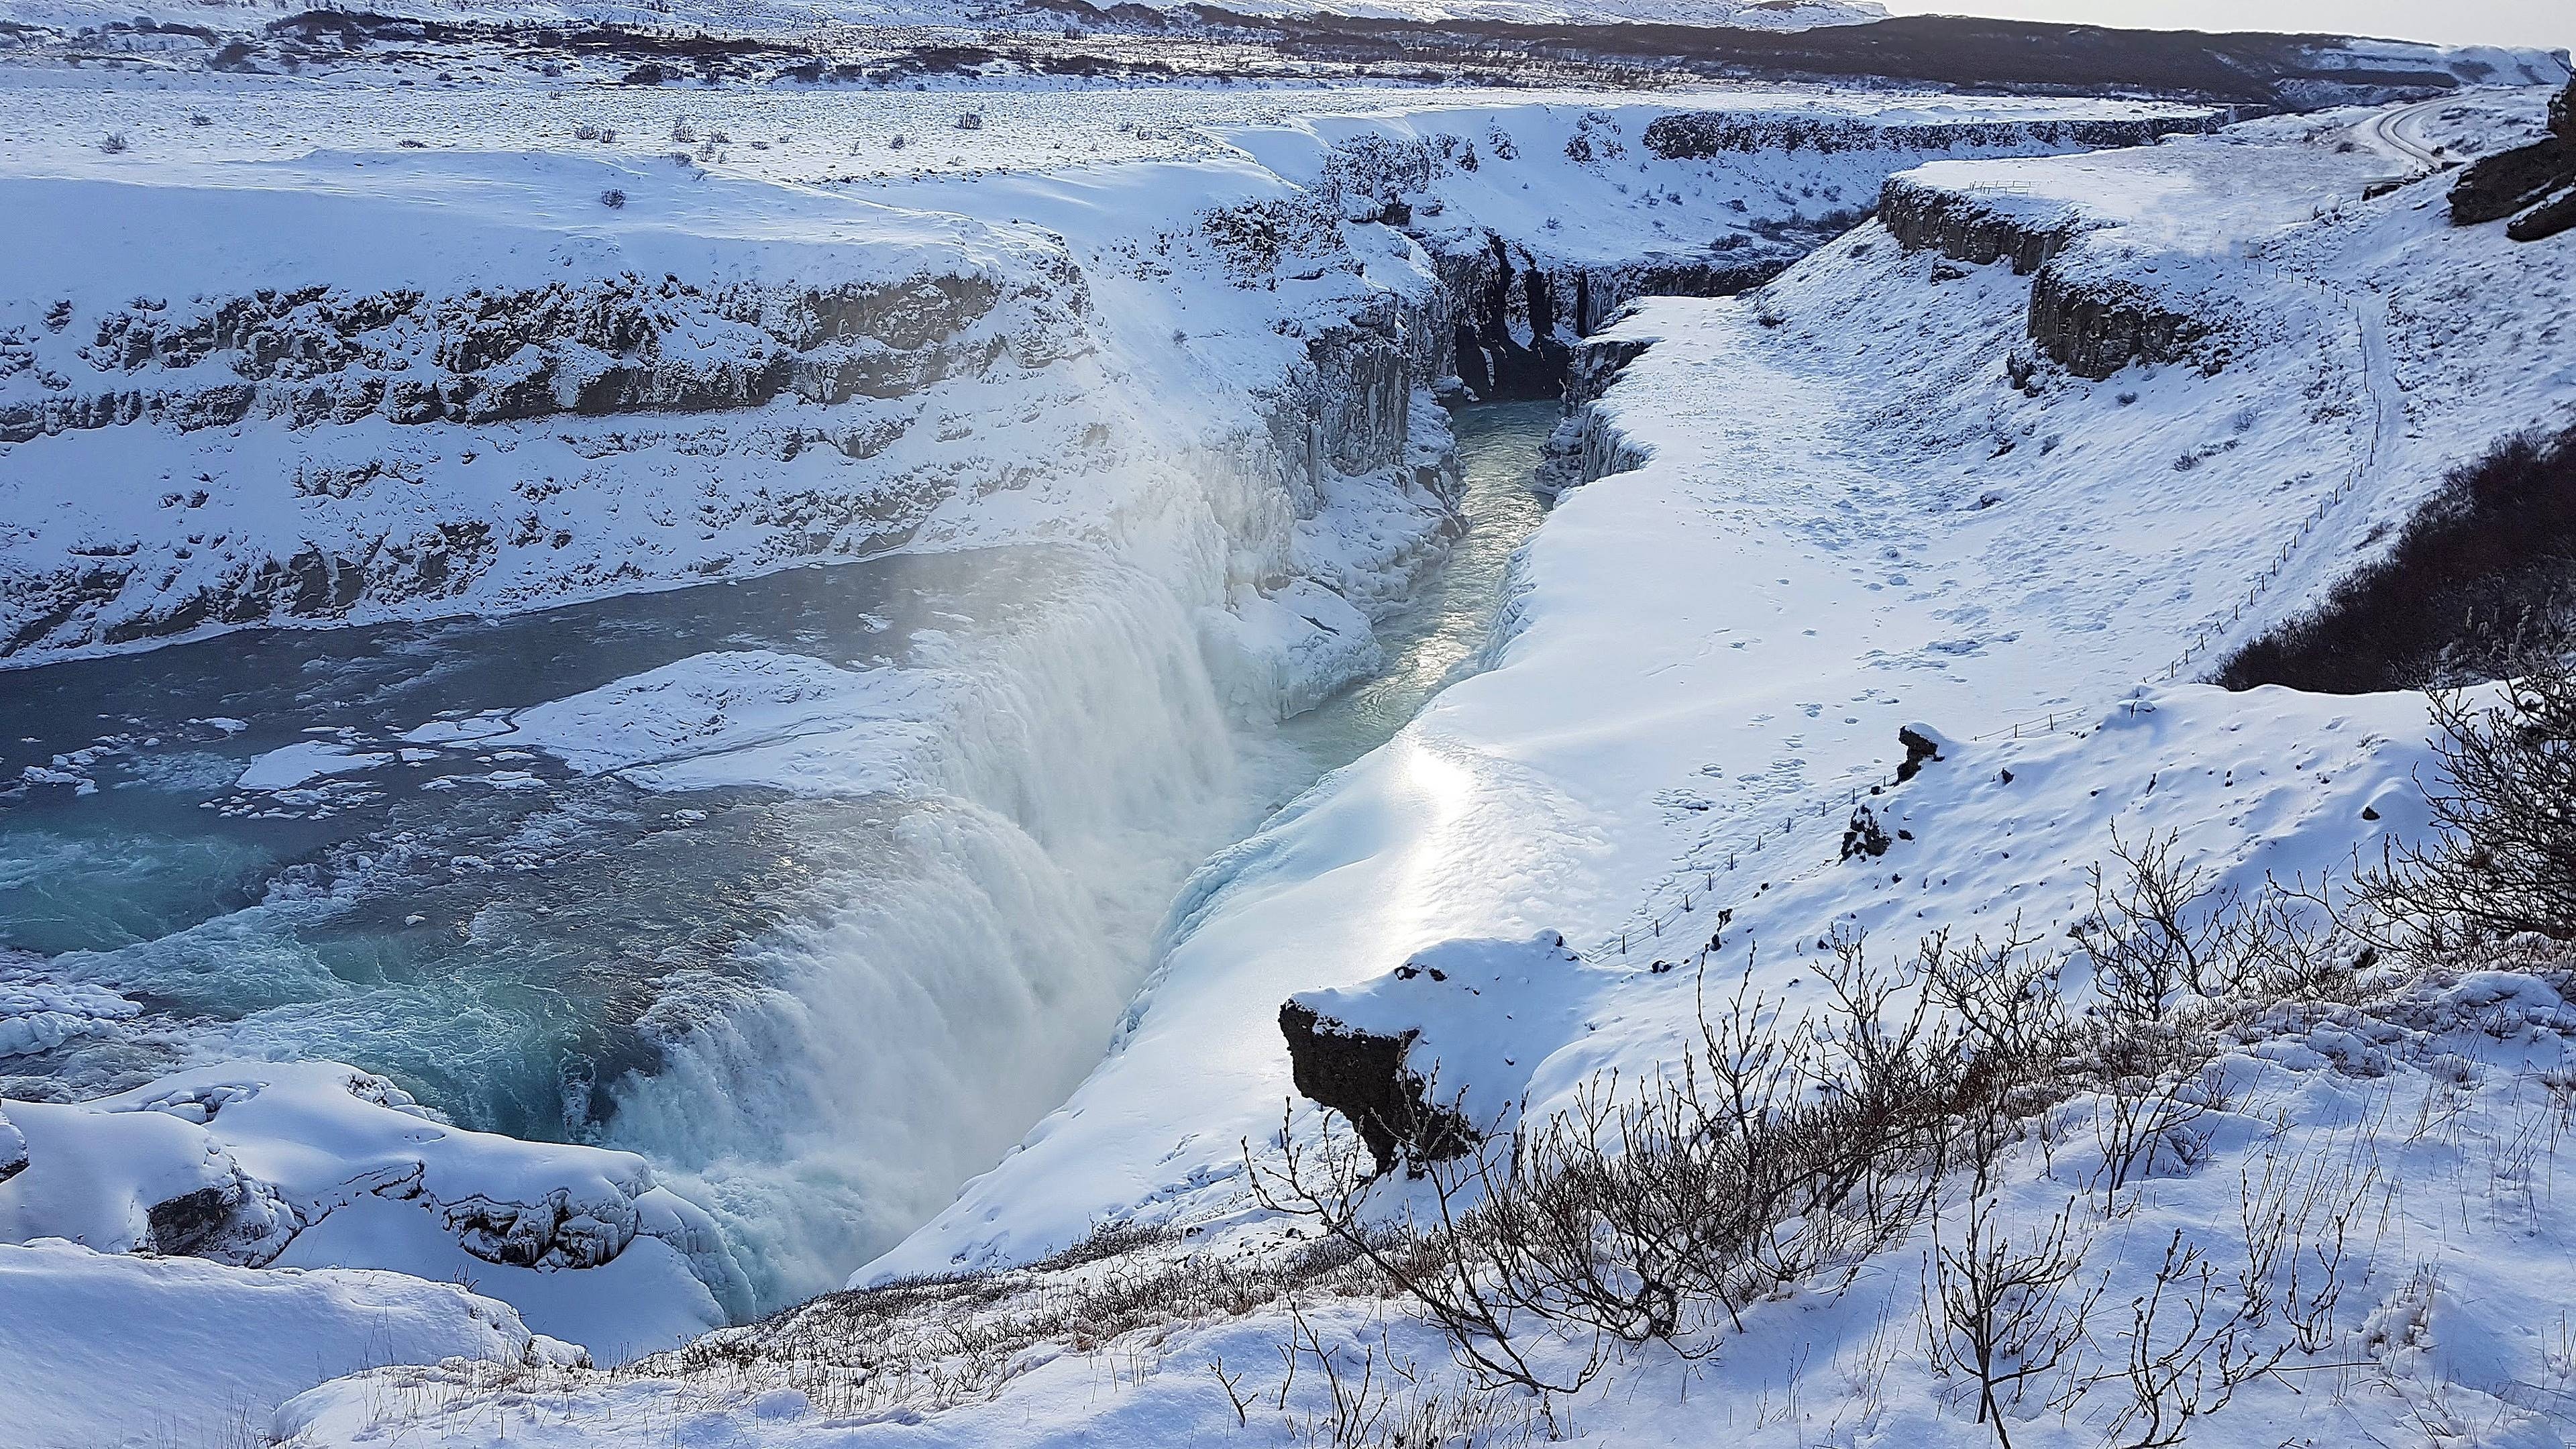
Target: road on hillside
x=2389 y=133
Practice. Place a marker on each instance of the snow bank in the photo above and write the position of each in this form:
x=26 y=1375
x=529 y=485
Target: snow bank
x=312 y=1164
x=2310 y=1207
x=110 y=1349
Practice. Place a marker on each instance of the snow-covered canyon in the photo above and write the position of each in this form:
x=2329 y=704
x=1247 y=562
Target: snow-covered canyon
x=725 y=665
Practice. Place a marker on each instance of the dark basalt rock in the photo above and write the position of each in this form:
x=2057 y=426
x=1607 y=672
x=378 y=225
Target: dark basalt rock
x=2546 y=220
x=1363 y=1076
x=1919 y=749
x=2097 y=326
x=1864 y=838
x=239 y=1221
x=1965 y=230
x=1519 y=321
x=192 y=1221
x=2495 y=187
x=1694 y=134
x=2540 y=176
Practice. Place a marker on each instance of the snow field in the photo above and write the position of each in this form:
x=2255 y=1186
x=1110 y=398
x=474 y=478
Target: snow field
x=1844 y=518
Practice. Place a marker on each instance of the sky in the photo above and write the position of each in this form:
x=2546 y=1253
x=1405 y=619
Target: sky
x=2550 y=24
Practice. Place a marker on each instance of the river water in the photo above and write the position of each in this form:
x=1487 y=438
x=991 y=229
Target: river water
x=817 y=1010
x=1442 y=630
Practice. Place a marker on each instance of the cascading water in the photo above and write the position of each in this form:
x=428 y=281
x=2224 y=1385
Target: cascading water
x=819 y=969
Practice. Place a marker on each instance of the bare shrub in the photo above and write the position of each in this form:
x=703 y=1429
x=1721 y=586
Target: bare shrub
x=2502 y=859
x=2159 y=929
x=113 y=143
x=2141 y=1121
x=926 y=1343
x=1377 y=1398
x=2008 y=1314
x=2475 y=579
x=2190 y=1348
x=2299 y=1225
x=1659 y=1212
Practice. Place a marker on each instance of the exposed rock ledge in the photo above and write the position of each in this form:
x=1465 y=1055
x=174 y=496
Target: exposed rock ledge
x=1967 y=229
x=2538 y=181
x=1713 y=133
x=1520 y=320
x=2094 y=326
x=314 y=450
x=2087 y=318
x=321 y=354
x=1433 y=1057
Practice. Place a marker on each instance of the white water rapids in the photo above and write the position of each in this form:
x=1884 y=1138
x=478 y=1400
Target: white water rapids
x=817 y=1006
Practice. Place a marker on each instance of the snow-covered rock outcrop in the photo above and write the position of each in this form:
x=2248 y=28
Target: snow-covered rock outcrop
x=2540 y=176
x=286 y=1164
x=2145 y=255
x=1432 y=1058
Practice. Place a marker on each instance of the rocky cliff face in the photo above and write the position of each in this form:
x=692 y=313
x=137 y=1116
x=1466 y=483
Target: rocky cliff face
x=323 y=454
x=623 y=344
x=2538 y=181
x=2089 y=319
x=2094 y=326
x=1967 y=229
x=1713 y=133
x=1518 y=317
x=1519 y=309
x=320 y=435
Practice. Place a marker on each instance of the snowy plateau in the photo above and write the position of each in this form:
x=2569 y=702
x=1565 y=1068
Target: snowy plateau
x=1424 y=724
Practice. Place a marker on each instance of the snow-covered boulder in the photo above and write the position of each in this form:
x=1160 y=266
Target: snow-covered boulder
x=316 y=1164
x=1432 y=1057
x=13 y=1149
x=112 y=1349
